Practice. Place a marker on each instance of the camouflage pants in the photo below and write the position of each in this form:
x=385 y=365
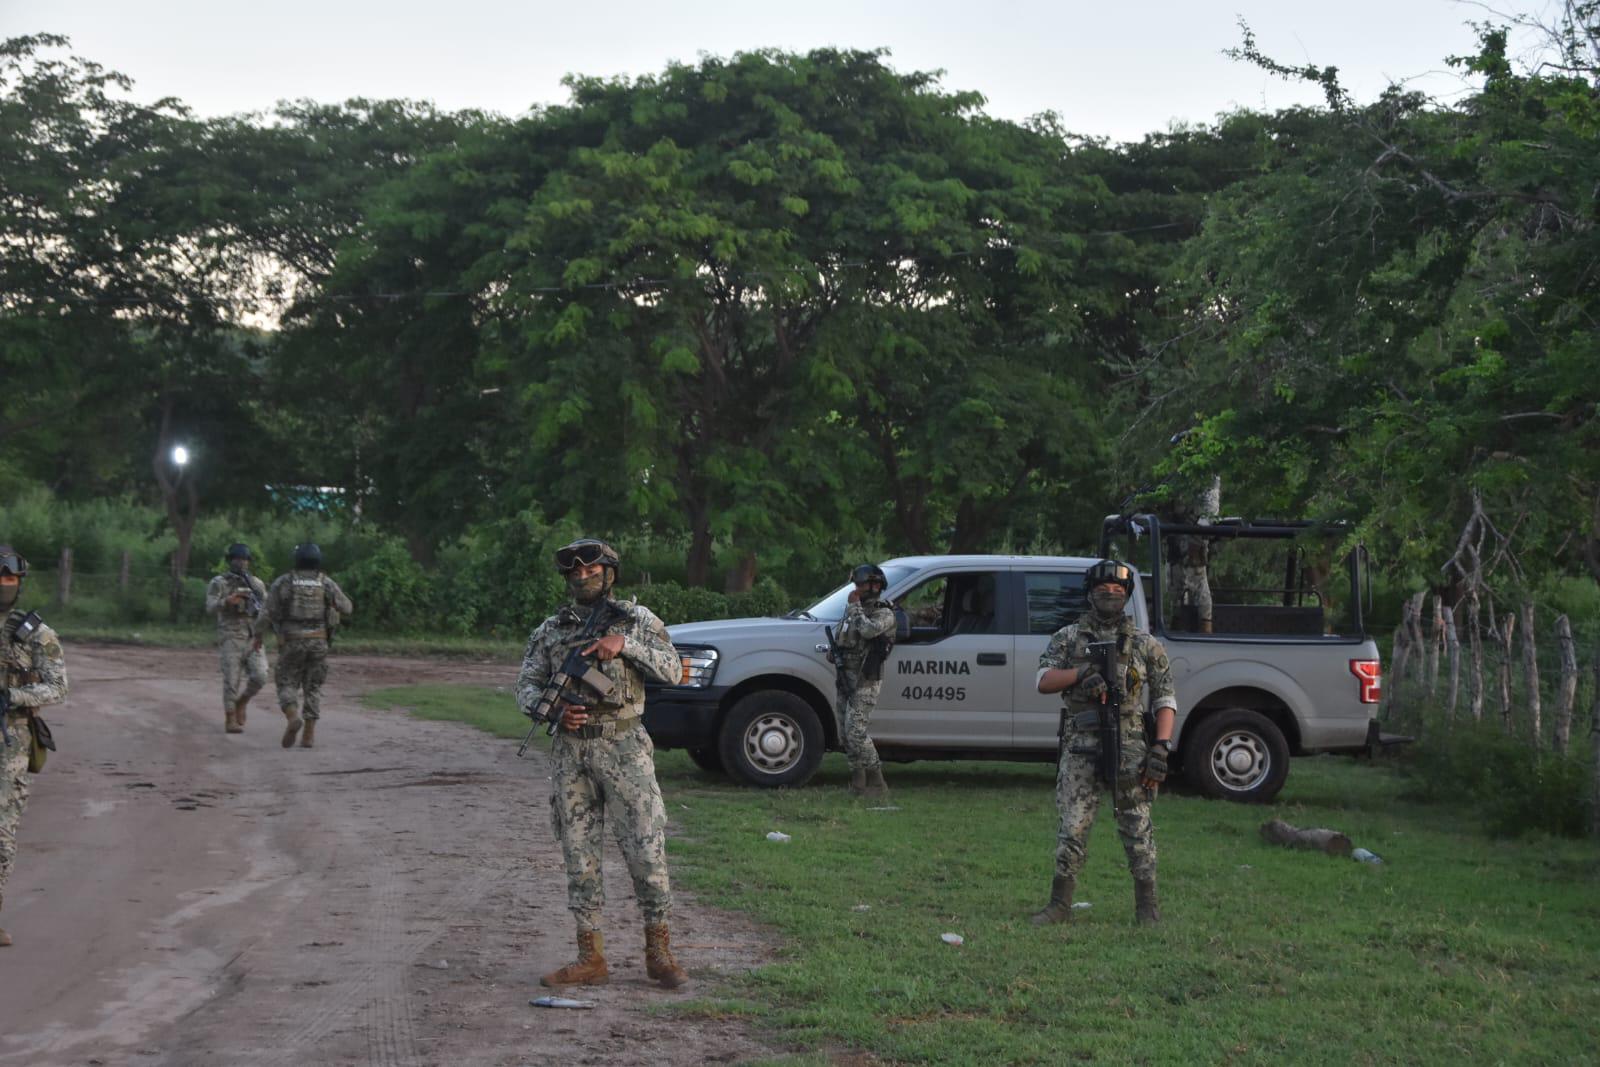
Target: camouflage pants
x=13 y=792
x=1078 y=797
x=593 y=779
x=244 y=670
x=857 y=699
x=302 y=668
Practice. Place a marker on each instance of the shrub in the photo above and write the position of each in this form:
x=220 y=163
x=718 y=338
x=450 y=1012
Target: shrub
x=1514 y=789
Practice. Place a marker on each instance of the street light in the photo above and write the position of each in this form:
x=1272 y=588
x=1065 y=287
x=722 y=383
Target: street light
x=180 y=456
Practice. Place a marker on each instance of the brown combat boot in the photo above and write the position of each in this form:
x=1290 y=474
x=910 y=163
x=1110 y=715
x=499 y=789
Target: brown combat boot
x=1059 y=910
x=876 y=788
x=5 y=939
x=311 y=732
x=1146 y=908
x=238 y=711
x=230 y=723
x=658 y=961
x=858 y=781
x=590 y=966
x=292 y=730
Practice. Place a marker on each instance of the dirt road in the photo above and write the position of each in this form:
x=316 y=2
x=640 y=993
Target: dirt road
x=390 y=897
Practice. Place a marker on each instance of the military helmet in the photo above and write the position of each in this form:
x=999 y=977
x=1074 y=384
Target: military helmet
x=307 y=556
x=588 y=551
x=11 y=563
x=1110 y=570
x=238 y=550
x=870 y=572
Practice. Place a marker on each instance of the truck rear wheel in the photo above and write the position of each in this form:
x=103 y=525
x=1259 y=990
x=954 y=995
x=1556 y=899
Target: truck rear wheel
x=771 y=738
x=1237 y=754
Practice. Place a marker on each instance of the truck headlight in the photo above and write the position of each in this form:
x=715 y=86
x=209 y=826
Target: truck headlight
x=699 y=666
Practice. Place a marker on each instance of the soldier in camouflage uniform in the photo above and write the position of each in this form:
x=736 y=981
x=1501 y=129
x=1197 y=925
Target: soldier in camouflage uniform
x=862 y=640
x=235 y=599
x=603 y=762
x=303 y=608
x=1065 y=668
x=35 y=674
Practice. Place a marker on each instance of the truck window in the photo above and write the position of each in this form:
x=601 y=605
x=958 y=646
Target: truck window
x=1055 y=599
x=951 y=604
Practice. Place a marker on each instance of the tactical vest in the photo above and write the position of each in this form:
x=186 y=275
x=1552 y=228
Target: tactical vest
x=1132 y=670
x=16 y=660
x=308 y=603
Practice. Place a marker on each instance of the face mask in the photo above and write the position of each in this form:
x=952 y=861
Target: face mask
x=1108 y=601
x=8 y=595
x=236 y=566
x=587 y=590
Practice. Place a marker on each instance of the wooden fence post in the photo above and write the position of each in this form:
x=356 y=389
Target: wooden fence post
x=1452 y=650
x=1508 y=629
x=1436 y=647
x=1475 y=639
x=1530 y=675
x=1594 y=738
x=1568 y=694
x=64 y=577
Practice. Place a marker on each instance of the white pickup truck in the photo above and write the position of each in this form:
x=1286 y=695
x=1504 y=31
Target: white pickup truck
x=1269 y=655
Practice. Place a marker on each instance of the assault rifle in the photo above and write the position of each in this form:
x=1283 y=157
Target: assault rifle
x=576 y=673
x=1107 y=658
x=252 y=601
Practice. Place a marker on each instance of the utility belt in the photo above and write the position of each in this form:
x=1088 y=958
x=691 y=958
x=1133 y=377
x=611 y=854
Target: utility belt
x=1088 y=722
x=305 y=635
x=608 y=730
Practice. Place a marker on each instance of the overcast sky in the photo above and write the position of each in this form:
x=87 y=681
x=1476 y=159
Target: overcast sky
x=1113 y=69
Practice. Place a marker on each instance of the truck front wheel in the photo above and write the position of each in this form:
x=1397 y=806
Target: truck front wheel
x=771 y=738
x=1237 y=754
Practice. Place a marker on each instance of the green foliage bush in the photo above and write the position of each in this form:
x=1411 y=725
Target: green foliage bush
x=1516 y=790
x=495 y=580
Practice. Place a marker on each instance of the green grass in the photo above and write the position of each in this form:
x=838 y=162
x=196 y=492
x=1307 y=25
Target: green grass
x=1458 y=948
x=171 y=635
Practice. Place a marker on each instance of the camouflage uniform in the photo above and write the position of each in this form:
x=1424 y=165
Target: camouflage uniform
x=857 y=697
x=1077 y=791
x=35 y=674
x=242 y=660
x=612 y=772
x=303 y=607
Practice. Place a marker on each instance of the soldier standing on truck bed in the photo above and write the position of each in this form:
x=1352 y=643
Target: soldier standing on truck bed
x=235 y=599
x=1067 y=667
x=303 y=608
x=862 y=641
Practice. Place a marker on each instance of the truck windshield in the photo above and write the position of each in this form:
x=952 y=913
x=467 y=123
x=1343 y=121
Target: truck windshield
x=831 y=607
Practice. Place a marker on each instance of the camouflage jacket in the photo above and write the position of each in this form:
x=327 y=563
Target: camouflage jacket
x=1144 y=659
x=35 y=671
x=647 y=653
x=233 y=620
x=304 y=605
x=856 y=631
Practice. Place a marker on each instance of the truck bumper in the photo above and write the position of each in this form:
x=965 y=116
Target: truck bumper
x=682 y=718
x=1378 y=741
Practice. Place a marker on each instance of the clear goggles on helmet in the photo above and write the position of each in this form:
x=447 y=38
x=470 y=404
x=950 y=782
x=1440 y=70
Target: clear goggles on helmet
x=11 y=563
x=586 y=555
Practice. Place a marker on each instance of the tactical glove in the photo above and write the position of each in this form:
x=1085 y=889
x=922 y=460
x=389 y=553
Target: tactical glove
x=1154 y=766
x=1091 y=686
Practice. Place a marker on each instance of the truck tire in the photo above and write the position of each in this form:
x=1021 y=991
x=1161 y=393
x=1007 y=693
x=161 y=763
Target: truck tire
x=771 y=738
x=1237 y=754
x=707 y=759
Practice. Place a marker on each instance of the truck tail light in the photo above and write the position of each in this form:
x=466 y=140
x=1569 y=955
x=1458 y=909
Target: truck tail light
x=1370 y=674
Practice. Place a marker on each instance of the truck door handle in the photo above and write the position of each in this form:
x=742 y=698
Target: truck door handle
x=991 y=659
